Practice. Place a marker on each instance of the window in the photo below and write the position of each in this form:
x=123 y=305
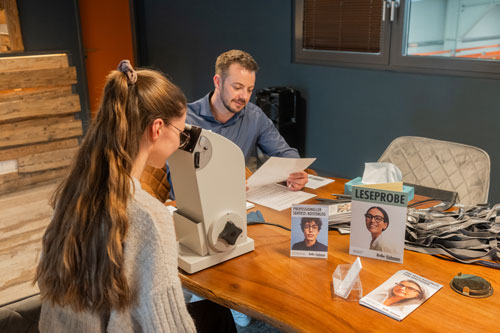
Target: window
x=459 y=37
x=342 y=25
x=463 y=29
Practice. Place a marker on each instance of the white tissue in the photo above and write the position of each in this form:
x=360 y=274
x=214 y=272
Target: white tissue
x=378 y=173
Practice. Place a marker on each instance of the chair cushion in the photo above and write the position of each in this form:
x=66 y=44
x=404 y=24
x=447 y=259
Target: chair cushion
x=154 y=181
x=21 y=316
x=443 y=165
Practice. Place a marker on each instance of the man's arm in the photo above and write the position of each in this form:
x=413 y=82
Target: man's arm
x=272 y=143
x=270 y=140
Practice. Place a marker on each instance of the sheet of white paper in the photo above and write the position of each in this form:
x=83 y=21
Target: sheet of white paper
x=277 y=169
x=315 y=182
x=250 y=205
x=344 y=231
x=171 y=209
x=277 y=197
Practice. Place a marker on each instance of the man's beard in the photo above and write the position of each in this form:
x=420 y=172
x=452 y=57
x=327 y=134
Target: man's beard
x=228 y=106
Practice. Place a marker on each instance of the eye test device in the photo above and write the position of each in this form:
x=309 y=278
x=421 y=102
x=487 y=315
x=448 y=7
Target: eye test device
x=208 y=175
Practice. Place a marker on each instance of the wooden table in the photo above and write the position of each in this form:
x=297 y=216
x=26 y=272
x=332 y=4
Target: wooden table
x=296 y=294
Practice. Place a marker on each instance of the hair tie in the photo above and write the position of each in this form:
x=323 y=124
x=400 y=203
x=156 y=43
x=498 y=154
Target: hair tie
x=126 y=68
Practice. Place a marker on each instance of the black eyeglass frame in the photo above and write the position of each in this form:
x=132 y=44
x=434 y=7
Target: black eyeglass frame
x=377 y=218
x=184 y=136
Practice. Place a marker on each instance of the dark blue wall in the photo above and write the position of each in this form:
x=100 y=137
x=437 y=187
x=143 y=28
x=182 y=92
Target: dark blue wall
x=55 y=27
x=353 y=114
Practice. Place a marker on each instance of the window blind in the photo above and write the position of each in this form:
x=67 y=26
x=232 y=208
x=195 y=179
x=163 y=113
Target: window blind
x=342 y=25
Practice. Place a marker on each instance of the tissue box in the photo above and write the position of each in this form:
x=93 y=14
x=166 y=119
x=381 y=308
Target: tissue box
x=357 y=181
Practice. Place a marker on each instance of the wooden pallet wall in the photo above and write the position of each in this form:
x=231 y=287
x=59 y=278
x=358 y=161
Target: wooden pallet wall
x=38 y=130
x=39 y=136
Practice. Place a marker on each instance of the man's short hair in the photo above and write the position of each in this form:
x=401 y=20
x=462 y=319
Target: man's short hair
x=234 y=56
x=316 y=220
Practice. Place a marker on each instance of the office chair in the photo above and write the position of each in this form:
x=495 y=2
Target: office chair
x=21 y=315
x=444 y=165
x=154 y=181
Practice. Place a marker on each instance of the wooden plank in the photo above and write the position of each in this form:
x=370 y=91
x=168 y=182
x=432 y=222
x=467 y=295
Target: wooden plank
x=24 y=216
x=19 y=207
x=8 y=177
x=30 y=195
x=39 y=130
x=4 y=43
x=20 y=215
x=40 y=106
x=13 y=26
x=15 y=153
x=9 y=166
x=18 y=270
x=24 y=231
x=46 y=161
x=42 y=61
x=19 y=93
x=37 y=78
x=16 y=182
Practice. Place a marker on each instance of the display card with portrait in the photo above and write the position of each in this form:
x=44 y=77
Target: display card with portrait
x=309 y=231
x=378 y=219
x=401 y=294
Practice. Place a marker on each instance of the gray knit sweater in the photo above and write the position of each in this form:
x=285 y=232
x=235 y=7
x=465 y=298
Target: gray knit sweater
x=151 y=269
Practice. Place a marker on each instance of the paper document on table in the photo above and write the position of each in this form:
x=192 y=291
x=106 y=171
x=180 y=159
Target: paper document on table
x=315 y=182
x=250 y=205
x=277 y=169
x=277 y=197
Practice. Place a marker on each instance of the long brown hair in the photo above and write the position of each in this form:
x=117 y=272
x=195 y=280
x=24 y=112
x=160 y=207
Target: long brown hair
x=81 y=263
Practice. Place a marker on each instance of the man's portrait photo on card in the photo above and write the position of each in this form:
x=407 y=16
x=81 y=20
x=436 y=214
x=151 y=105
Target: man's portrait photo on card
x=309 y=234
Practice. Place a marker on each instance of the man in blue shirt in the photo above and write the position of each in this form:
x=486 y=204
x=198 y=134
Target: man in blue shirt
x=227 y=111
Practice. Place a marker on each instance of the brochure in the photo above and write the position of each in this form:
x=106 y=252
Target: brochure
x=401 y=294
x=339 y=217
x=339 y=213
x=309 y=231
x=378 y=223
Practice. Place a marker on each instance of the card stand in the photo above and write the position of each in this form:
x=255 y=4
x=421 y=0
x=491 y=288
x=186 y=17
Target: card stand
x=338 y=276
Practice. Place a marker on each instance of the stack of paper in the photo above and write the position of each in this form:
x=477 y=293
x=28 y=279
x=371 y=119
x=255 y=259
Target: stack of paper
x=263 y=189
x=339 y=217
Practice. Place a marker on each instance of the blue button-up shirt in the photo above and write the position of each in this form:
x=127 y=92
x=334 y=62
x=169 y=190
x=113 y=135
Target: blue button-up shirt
x=249 y=128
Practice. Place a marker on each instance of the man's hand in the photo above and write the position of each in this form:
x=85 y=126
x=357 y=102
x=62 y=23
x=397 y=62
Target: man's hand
x=297 y=180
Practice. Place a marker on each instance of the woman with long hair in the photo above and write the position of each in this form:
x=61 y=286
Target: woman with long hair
x=109 y=257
